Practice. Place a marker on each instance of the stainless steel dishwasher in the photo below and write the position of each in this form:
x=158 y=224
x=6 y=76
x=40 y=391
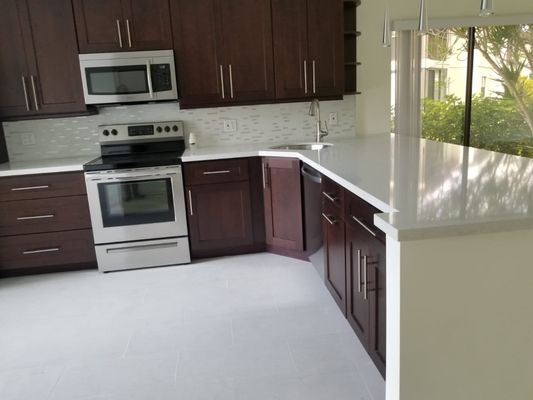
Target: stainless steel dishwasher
x=312 y=201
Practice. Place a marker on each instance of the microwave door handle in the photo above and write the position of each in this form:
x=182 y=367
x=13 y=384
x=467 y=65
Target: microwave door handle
x=149 y=76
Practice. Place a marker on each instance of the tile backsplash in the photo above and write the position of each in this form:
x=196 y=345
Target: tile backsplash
x=78 y=136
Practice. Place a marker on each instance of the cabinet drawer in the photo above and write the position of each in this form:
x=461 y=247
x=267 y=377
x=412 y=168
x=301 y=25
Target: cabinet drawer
x=218 y=171
x=46 y=249
x=332 y=193
x=44 y=215
x=360 y=213
x=27 y=187
x=331 y=213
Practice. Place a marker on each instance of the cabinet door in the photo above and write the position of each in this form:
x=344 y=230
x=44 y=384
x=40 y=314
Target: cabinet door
x=247 y=41
x=283 y=204
x=325 y=21
x=378 y=307
x=289 y=25
x=220 y=218
x=13 y=61
x=198 y=60
x=358 y=309
x=147 y=24
x=55 y=83
x=334 y=257
x=100 y=25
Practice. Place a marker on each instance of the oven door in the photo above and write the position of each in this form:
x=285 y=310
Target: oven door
x=128 y=77
x=140 y=204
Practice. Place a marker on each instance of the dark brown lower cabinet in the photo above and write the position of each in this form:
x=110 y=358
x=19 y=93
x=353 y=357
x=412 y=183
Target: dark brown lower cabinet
x=335 y=270
x=283 y=206
x=224 y=206
x=366 y=279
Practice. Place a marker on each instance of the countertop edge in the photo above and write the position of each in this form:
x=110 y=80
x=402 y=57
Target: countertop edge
x=501 y=224
x=41 y=170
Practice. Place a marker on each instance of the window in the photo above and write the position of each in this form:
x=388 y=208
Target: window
x=475 y=86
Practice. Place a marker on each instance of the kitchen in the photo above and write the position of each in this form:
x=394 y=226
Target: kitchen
x=199 y=154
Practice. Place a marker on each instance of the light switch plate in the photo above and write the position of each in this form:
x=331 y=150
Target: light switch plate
x=230 y=125
x=28 y=139
x=333 y=119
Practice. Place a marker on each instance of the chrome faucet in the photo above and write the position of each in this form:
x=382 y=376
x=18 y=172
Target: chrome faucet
x=314 y=110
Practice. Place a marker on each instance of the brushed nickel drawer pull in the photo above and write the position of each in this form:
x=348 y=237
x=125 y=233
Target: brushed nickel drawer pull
x=50 y=250
x=128 y=30
x=25 y=93
x=34 y=90
x=36 y=217
x=305 y=76
x=365 y=277
x=226 y=171
x=328 y=218
x=364 y=226
x=222 y=82
x=330 y=197
x=191 y=211
x=119 y=34
x=19 y=189
x=359 y=270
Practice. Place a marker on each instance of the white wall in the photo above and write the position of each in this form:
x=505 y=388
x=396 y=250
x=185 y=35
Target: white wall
x=373 y=105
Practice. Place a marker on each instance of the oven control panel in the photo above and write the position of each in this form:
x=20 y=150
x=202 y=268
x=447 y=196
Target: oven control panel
x=132 y=132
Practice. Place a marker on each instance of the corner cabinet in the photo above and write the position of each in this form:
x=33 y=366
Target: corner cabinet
x=123 y=25
x=39 y=74
x=230 y=60
x=308 y=49
x=283 y=206
x=224 y=207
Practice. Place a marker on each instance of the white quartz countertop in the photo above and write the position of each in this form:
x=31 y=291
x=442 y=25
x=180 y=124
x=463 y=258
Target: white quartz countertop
x=425 y=189
x=44 y=166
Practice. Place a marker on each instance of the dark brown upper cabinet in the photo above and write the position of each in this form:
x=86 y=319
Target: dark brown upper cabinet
x=122 y=25
x=39 y=68
x=230 y=60
x=308 y=48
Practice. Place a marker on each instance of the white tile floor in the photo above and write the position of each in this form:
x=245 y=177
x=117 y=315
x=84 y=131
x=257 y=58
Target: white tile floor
x=250 y=327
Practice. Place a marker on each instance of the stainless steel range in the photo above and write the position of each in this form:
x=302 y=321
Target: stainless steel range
x=136 y=197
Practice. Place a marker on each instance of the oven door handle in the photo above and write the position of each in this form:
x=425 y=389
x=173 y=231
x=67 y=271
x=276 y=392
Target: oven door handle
x=130 y=178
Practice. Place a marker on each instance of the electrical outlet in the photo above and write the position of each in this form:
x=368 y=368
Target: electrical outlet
x=230 y=125
x=28 y=139
x=333 y=120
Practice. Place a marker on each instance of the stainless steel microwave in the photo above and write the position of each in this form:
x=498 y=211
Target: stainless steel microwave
x=128 y=77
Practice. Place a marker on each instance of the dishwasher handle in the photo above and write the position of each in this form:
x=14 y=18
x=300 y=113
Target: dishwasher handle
x=311 y=174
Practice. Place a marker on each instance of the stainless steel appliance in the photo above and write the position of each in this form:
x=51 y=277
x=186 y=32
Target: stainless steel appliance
x=136 y=197
x=137 y=76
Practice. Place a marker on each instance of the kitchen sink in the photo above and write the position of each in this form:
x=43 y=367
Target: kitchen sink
x=303 y=146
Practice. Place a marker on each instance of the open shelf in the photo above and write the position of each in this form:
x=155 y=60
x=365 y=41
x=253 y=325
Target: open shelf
x=350 y=46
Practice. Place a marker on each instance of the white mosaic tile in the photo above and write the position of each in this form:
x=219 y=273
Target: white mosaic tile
x=78 y=136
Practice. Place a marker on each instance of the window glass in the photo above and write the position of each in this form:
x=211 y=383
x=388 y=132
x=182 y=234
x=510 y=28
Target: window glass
x=502 y=102
x=443 y=83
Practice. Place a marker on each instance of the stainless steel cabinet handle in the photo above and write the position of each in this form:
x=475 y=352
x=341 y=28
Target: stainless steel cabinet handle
x=222 y=82
x=20 y=189
x=359 y=270
x=364 y=226
x=327 y=218
x=314 y=76
x=35 y=217
x=330 y=197
x=226 y=171
x=51 y=250
x=149 y=75
x=305 y=76
x=142 y=247
x=365 y=277
x=32 y=79
x=119 y=34
x=25 y=93
x=264 y=179
x=128 y=31
x=191 y=211
x=230 y=81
